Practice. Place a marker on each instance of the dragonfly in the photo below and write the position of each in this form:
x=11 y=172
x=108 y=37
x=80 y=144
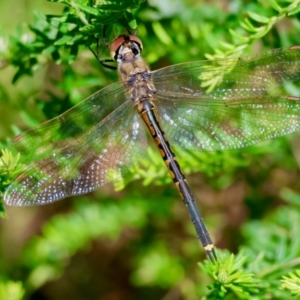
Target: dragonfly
x=201 y=105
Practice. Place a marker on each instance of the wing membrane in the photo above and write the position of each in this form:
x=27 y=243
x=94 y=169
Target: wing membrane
x=203 y=105
x=246 y=104
x=91 y=144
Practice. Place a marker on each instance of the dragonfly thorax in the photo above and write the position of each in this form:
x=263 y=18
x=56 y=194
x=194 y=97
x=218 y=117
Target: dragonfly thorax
x=132 y=68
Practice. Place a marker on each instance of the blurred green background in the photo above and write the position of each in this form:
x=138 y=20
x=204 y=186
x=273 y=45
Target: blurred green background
x=138 y=243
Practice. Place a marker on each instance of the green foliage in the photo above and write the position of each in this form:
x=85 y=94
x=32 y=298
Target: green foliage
x=59 y=37
x=11 y=290
x=153 y=264
x=146 y=239
x=262 y=262
x=63 y=236
x=229 y=277
x=292 y=283
x=9 y=169
x=254 y=33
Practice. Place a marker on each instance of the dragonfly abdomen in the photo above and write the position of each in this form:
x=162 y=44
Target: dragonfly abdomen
x=147 y=111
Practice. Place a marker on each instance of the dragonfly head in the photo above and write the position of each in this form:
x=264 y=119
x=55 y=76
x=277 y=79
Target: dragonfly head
x=126 y=47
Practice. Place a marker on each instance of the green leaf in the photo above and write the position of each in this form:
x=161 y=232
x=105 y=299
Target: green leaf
x=131 y=20
x=64 y=40
x=260 y=32
x=258 y=18
x=75 y=39
x=229 y=276
x=227 y=45
x=291 y=283
x=275 y=5
x=90 y=10
x=49 y=50
x=87 y=28
x=247 y=25
x=9 y=162
x=294 y=11
x=242 y=39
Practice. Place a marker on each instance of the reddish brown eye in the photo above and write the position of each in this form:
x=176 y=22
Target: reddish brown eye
x=116 y=45
x=137 y=40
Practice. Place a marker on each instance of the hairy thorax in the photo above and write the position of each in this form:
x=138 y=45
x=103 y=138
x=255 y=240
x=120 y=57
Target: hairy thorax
x=136 y=76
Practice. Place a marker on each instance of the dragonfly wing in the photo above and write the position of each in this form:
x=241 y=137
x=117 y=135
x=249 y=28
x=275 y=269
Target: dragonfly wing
x=91 y=144
x=230 y=103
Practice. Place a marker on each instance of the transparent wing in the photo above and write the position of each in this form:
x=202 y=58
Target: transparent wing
x=229 y=103
x=93 y=143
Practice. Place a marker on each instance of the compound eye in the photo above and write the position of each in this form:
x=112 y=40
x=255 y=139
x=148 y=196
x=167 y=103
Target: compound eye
x=136 y=45
x=116 y=44
x=135 y=39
